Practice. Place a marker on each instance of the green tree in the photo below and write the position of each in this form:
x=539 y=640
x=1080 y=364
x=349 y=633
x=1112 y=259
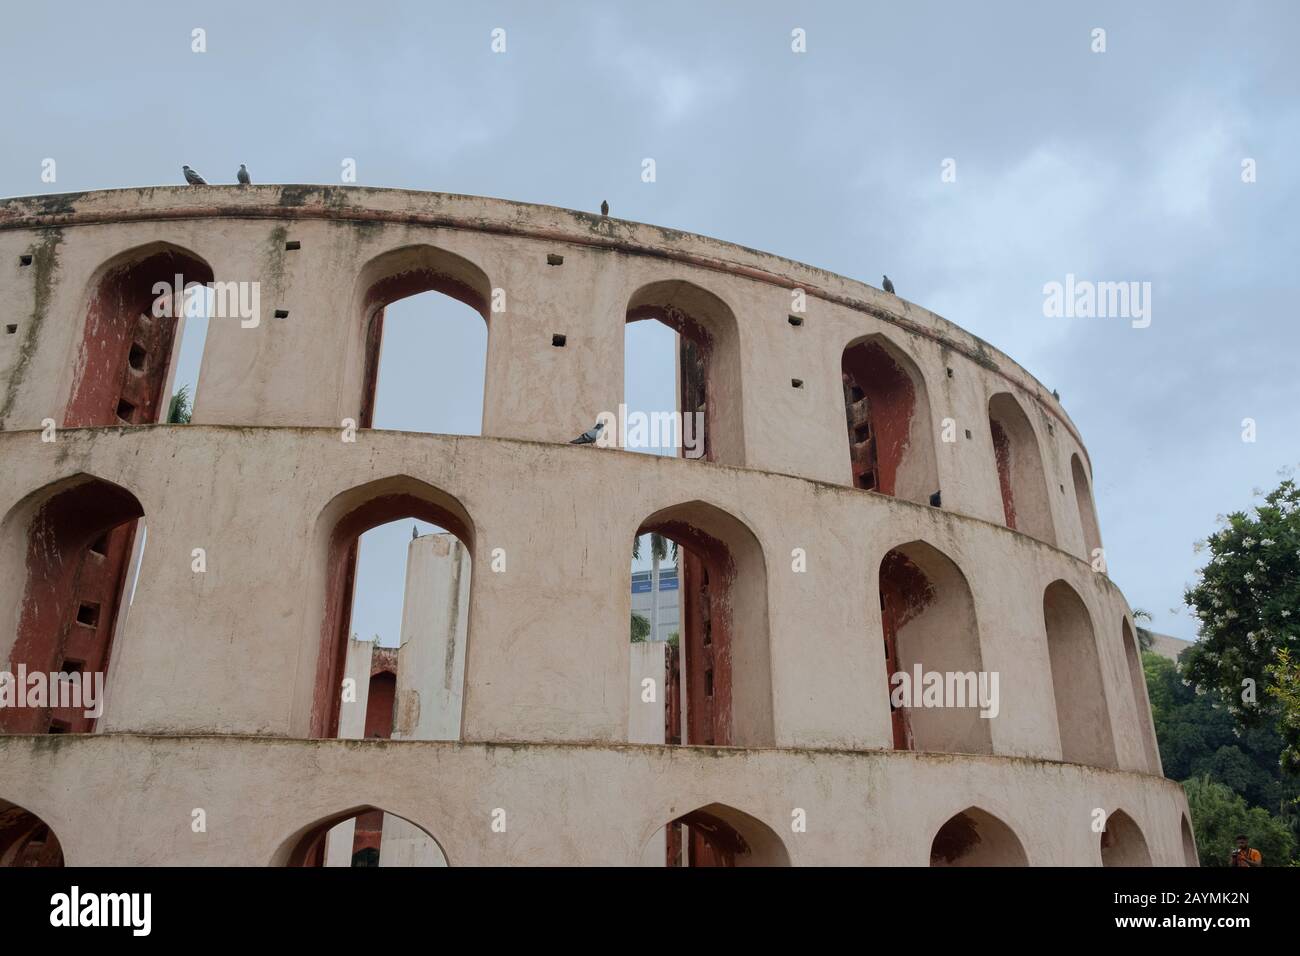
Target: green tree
x=1141 y=618
x=1285 y=688
x=1248 y=601
x=181 y=408
x=1198 y=737
x=658 y=552
x=640 y=628
x=1218 y=815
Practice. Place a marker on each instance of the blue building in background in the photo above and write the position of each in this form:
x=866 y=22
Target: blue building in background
x=669 y=601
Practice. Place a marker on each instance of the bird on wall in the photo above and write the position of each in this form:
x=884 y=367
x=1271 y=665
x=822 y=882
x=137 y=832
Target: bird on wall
x=589 y=436
x=414 y=533
x=604 y=207
x=242 y=175
x=888 y=286
x=193 y=178
x=1056 y=395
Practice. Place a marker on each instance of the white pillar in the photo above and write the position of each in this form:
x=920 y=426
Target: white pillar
x=405 y=844
x=645 y=719
x=431 y=658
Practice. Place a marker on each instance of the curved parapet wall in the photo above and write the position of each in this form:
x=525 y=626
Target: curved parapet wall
x=564 y=804
x=871 y=470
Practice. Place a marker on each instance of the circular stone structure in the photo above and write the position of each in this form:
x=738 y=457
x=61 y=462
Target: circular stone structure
x=879 y=493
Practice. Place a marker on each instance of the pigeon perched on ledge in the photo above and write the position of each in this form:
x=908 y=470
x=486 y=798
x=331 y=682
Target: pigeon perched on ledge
x=888 y=286
x=242 y=175
x=589 y=436
x=193 y=178
x=604 y=207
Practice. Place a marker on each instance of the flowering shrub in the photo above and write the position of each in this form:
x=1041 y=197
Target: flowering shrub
x=1248 y=603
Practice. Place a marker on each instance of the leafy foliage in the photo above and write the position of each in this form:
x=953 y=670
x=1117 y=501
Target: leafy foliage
x=1218 y=815
x=1248 y=603
x=181 y=408
x=1285 y=687
x=1199 y=739
x=640 y=628
x=1140 y=619
x=659 y=547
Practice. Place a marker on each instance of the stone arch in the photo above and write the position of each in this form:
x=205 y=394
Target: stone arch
x=709 y=367
x=26 y=840
x=725 y=640
x=975 y=837
x=928 y=621
x=1087 y=508
x=347 y=516
x=1025 y=503
x=65 y=554
x=715 y=835
x=1082 y=716
x=408 y=843
x=1122 y=842
x=1190 y=856
x=1141 y=706
x=398 y=274
x=890 y=429
x=124 y=363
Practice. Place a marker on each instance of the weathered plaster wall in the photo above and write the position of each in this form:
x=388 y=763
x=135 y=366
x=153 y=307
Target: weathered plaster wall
x=547 y=655
x=564 y=804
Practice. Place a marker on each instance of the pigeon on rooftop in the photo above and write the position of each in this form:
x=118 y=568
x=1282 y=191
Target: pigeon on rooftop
x=242 y=175
x=589 y=436
x=604 y=207
x=888 y=286
x=193 y=178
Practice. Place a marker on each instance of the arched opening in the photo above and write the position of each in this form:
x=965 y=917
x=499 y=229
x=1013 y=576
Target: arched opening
x=716 y=835
x=70 y=545
x=380 y=698
x=1087 y=509
x=361 y=837
x=200 y=306
x=26 y=839
x=1141 y=709
x=397 y=389
x=651 y=394
x=656 y=633
x=1190 y=856
x=434 y=611
x=1122 y=842
x=1081 y=713
x=708 y=424
x=1025 y=504
x=125 y=360
x=718 y=685
x=891 y=438
x=976 y=838
x=937 y=685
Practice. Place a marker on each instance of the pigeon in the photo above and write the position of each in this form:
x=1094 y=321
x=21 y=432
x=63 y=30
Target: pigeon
x=414 y=534
x=589 y=436
x=604 y=207
x=242 y=175
x=1056 y=395
x=889 y=286
x=193 y=178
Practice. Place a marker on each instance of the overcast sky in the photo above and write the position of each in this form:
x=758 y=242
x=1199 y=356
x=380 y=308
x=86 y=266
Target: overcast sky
x=1117 y=166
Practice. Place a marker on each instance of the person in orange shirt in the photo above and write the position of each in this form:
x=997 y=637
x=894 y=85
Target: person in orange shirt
x=1243 y=855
